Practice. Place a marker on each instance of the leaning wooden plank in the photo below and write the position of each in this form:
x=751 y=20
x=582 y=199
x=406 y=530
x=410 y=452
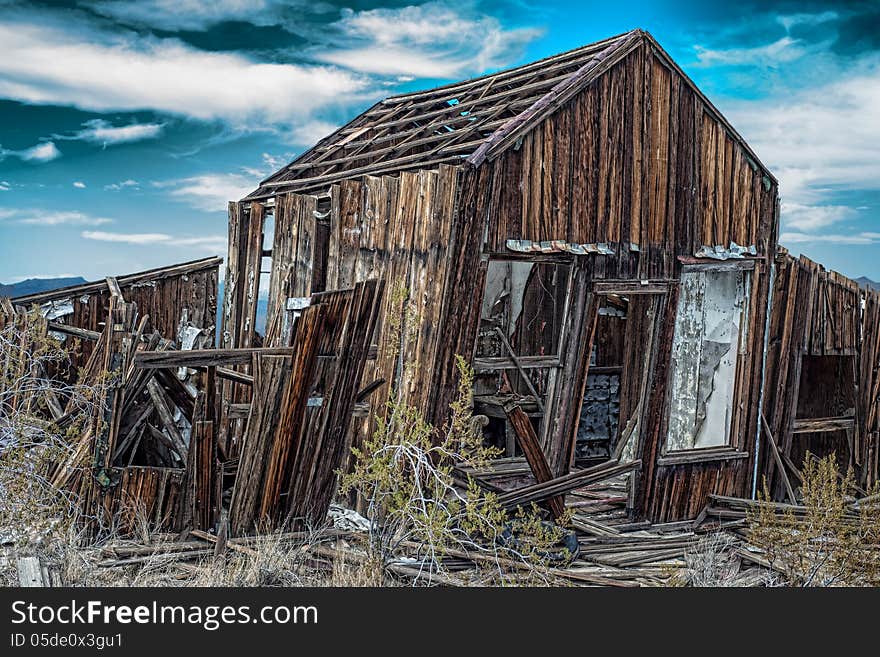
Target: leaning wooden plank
x=182 y=396
x=281 y=458
x=320 y=453
x=159 y=401
x=528 y=441
x=774 y=449
x=281 y=388
x=205 y=357
x=30 y=572
x=560 y=485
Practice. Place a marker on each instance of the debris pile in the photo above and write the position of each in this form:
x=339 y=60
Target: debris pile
x=186 y=436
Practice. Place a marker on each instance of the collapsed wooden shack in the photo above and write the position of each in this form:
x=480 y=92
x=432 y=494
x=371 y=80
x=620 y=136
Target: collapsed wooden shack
x=822 y=380
x=588 y=231
x=147 y=450
x=128 y=454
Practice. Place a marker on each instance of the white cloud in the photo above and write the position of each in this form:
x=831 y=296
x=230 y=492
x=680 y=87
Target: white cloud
x=822 y=137
x=4 y=186
x=37 y=217
x=212 y=243
x=812 y=217
x=803 y=238
x=187 y=14
x=791 y=20
x=126 y=238
x=80 y=66
x=432 y=40
x=124 y=184
x=310 y=132
x=79 y=184
x=820 y=140
x=212 y=192
x=275 y=162
x=44 y=152
x=783 y=50
x=102 y=132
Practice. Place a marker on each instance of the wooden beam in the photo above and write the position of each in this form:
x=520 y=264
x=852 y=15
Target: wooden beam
x=774 y=449
x=206 y=358
x=528 y=441
x=822 y=424
x=74 y=331
x=232 y=375
x=560 y=485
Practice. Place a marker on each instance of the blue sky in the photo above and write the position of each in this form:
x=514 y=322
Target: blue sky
x=125 y=127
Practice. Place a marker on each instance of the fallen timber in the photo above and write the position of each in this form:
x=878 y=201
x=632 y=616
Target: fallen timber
x=152 y=443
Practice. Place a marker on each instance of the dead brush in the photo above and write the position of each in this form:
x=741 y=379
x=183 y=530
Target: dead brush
x=350 y=573
x=270 y=559
x=832 y=541
x=711 y=562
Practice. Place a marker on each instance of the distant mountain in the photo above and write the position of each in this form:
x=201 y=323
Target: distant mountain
x=35 y=285
x=864 y=281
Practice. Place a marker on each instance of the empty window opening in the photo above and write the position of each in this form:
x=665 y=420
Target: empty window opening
x=265 y=274
x=600 y=407
x=517 y=351
x=826 y=406
x=522 y=310
x=322 y=247
x=710 y=331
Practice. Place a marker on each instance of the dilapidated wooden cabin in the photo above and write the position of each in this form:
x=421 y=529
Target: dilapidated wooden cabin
x=822 y=376
x=587 y=230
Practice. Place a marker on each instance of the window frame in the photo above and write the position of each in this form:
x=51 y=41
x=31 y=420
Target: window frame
x=734 y=445
x=553 y=361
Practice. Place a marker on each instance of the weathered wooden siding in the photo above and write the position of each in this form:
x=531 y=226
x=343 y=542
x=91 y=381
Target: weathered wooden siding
x=173 y=297
x=817 y=313
x=140 y=494
x=401 y=230
x=636 y=160
x=640 y=162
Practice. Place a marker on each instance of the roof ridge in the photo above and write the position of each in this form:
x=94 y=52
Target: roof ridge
x=555 y=96
x=537 y=62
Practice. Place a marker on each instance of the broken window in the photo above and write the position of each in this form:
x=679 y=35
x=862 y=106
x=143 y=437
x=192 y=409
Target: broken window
x=522 y=310
x=710 y=331
x=518 y=345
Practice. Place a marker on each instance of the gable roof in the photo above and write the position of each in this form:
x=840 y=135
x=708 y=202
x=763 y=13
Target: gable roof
x=470 y=121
